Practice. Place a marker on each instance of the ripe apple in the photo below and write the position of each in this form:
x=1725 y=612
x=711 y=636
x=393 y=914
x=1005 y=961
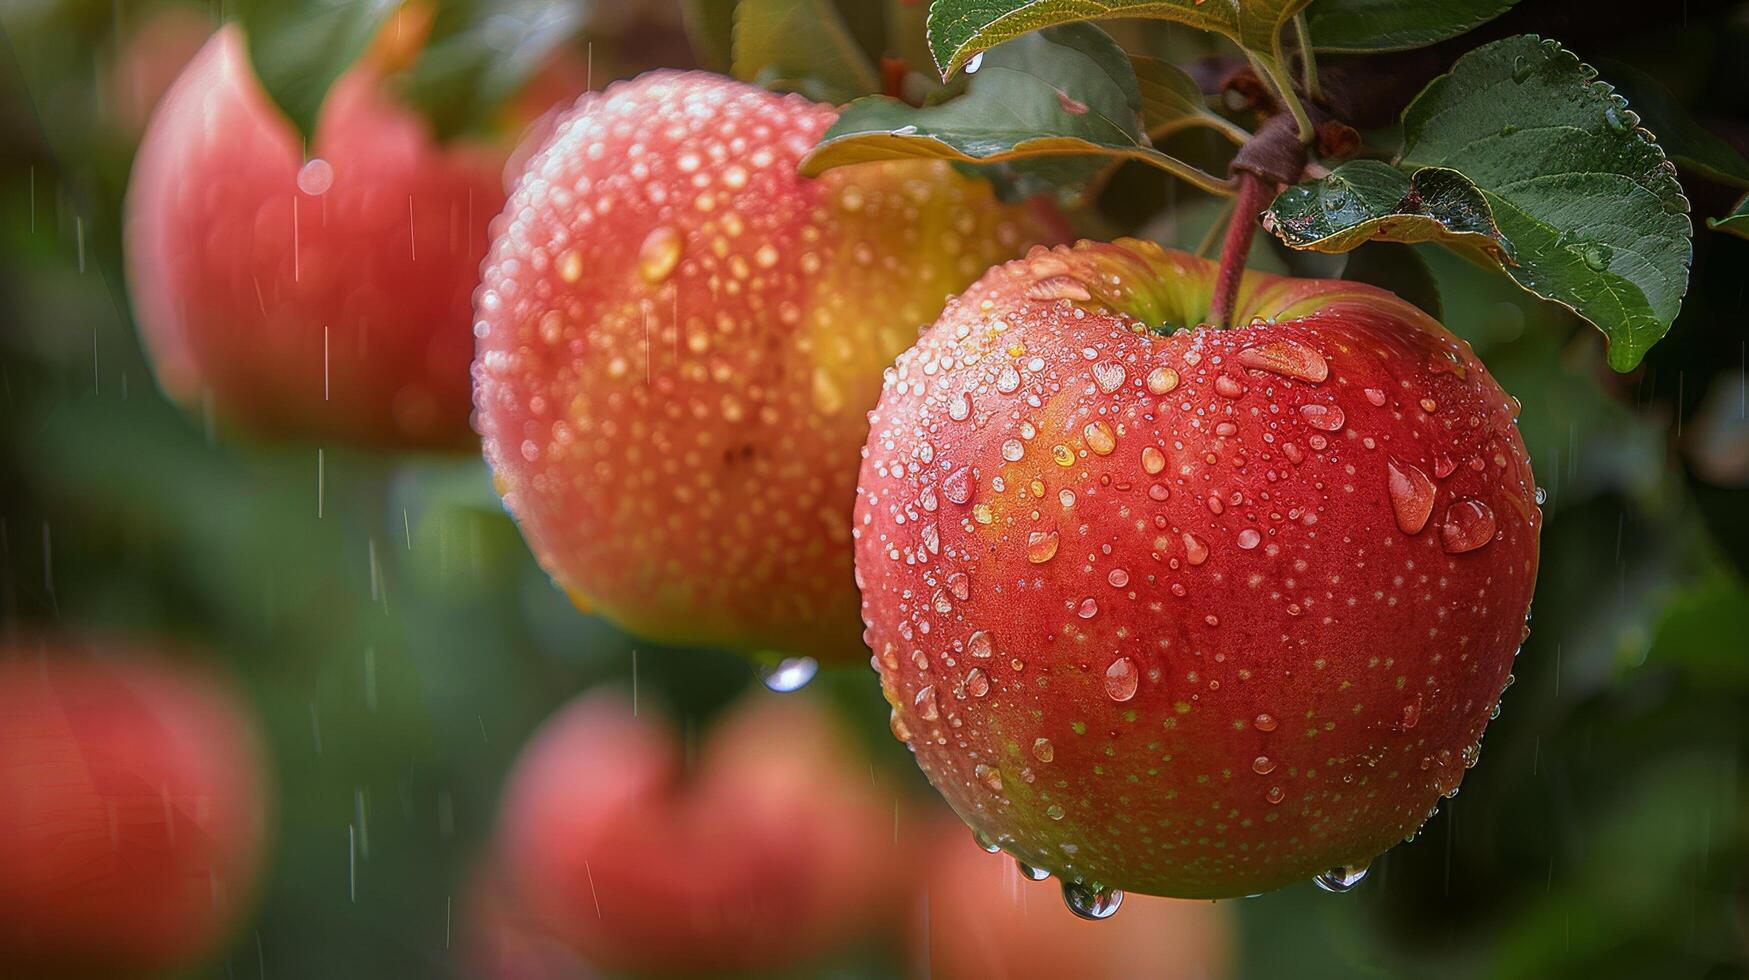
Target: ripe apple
x=318 y=296
x=772 y=850
x=499 y=942
x=1189 y=611
x=680 y=338
x=132 y=815
x=978 y=917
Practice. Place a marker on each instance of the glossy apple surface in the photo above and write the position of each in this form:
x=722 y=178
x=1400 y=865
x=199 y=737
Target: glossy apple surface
x=680 y=338
x=1198 y=613
x=318 y=296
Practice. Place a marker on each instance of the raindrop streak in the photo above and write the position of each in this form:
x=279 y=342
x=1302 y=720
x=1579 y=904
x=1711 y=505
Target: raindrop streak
x=1340 y=880
x=1091 y=901
x=1029 y=872
x=788 y=674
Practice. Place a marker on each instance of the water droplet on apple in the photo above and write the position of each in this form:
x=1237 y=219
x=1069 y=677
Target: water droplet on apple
x=1412 y=493
x=788 y=674
x=1326 y=417
x=1029 y=872
x=1341 y=879
x=659 y=254
x=1121 y=679
x=1091 y=901
x=1162 y=380
x=1041 y=546
x=1287 y=358
x=1099 y=438
x=315 y=177
x=1469 y=524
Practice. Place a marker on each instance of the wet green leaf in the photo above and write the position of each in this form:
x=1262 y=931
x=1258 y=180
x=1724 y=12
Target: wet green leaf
x=1365 y=200
x=710 y=28
x=299 y=47
x=960 y=29
x=800 y=46
x=1736 y=223
x=1685 y=141
x=1586 y=207
x=1171 y=100
x=1017 y=106
x=1392 y=25
x=481 y=54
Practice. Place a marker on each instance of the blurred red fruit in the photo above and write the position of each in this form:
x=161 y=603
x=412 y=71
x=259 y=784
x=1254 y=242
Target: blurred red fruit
x=149 y=60
x=1197 y=614
x=979 y=917
x=324 y=296
x=680 y=338
x=774 y=850
x=131 y=816
x=500 y=942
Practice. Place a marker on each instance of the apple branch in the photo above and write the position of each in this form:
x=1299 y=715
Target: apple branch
x=1254 y=194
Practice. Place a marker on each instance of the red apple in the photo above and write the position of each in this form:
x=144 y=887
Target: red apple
x=499 y=941
x=319 y=296
x=680 y=338
x=979 y=917
x=132 y=815
x=773 y=850
x=1189 y=611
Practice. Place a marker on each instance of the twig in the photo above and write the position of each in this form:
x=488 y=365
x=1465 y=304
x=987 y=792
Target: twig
x=1308 y=60
x=1270 y=68
x=1254 y=192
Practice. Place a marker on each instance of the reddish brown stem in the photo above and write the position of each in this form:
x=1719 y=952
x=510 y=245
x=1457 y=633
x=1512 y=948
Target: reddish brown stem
x=1247 y=206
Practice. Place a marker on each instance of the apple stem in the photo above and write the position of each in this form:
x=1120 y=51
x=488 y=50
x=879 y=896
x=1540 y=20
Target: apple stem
x=1248 y=206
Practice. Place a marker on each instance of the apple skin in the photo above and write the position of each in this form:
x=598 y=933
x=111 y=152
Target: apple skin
x=132 y=815
x=499 y=941
x=341 y=315
x=772 y=849
x=680 y=338
x=1143 y=603
x=979 y=917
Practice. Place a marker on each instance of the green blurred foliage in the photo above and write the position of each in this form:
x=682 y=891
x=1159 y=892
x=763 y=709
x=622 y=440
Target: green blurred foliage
x=400 y=644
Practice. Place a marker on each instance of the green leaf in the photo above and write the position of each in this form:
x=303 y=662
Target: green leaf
x=1365 y=200
x=1587 y=208
x=710 y=28
x=1735 y=223
x=481 y=54
x=1172 y=101
x=1399 y=269
x=1394 y=25
x=801 y=46
x=960 y=29
x=1685 y=141
x=299 y=47
x=1067 y=91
